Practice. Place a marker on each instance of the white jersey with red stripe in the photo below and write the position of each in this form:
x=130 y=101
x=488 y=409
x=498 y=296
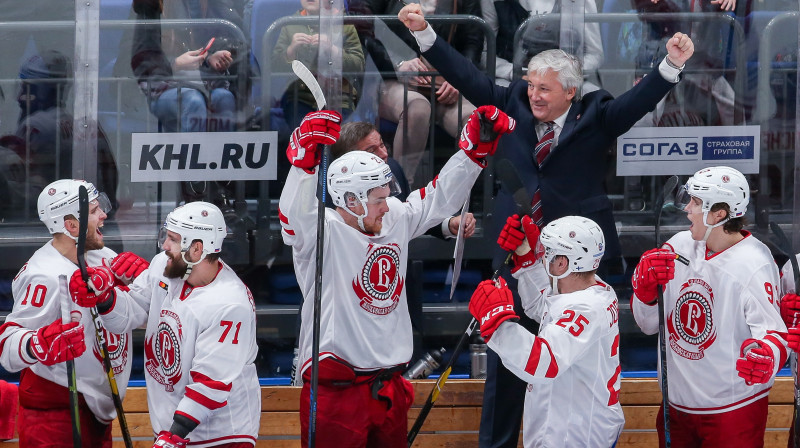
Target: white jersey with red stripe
x=364 y=315
x=572 y=366
x=712 y=306
x=38 y=301
x=200 y=345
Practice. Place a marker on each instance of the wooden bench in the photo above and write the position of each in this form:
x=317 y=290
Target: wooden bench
x=455 y=419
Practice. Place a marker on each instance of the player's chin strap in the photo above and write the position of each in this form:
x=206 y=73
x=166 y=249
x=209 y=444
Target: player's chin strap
x=554 y=278
x=190 y=264
x=360 y=217
x=709 y=228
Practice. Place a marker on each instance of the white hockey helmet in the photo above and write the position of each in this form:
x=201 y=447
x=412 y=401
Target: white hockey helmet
x=196 y=221
x=354 y=175
x=60 y=199
x=575 y=237
x=714 y=185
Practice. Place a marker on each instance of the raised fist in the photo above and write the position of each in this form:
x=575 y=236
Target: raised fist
x=127 y=266
x=99 y=290
x=483 y=129
x=679 y=49
x=790 y=310
x=756 y=363
x=317 y=128
x=57 y=342
x=167 y=439
x=491 y=305
x=656 y=267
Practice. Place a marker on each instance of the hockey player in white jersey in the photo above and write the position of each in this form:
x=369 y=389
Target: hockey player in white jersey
x=724 y=331
x=34 y=339
x=200 y=337
x=572 y=366
x=365 y=329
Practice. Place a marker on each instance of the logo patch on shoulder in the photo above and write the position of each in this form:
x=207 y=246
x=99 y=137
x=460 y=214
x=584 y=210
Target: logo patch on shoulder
x=163 y=286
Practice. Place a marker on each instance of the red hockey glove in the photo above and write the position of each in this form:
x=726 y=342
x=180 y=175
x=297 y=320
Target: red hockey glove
x=491 y=305
x=102 y=282
x=790 y=310
x=127 y=266
x=167 y=439
x=793 y=338
x=756 y=362
x=514 y=233
x=656 y=267
x=317 y=128
x=58 y=342
x=483 y=129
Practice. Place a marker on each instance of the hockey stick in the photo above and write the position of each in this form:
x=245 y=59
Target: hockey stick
x=83 y=220
x=458 y=253
x=510 y=180
x=72 y=381
x=658 y=207
x=785 y=246
x=311 y=82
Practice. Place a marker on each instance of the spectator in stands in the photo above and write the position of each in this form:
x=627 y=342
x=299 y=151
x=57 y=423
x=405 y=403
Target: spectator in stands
x=44 y=135
x=190 y=88
x=560 y=152
x=539 y=36
x=302 y=42
x=412 y=112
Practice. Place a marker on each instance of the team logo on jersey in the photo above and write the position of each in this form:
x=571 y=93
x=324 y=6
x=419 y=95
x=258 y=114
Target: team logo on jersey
x=117 y=345
x=163 y=351
x=379 y=286
x=691 y=324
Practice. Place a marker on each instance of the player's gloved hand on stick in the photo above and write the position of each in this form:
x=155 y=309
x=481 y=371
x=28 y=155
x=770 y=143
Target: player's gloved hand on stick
x=317 y=128
x=127 y=266
x=491 y=305
x=483 y=129
x=756 y=362
x=790 y=310
x=167 y=439
x=101 y=280
x=656 y=267
x=520 y=236
x=57 y=342
x=793 y=338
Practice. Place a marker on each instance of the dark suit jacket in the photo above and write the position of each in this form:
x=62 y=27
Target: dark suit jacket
x=571 y=179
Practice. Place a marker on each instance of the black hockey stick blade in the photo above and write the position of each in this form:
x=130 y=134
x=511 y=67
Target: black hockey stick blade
x=658 y=207
x=511 y=182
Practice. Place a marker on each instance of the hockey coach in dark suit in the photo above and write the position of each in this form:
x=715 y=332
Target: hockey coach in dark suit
x=559 y=149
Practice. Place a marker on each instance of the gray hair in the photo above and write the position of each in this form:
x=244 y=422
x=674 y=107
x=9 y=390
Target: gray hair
x=567 y=66
x=349 y=136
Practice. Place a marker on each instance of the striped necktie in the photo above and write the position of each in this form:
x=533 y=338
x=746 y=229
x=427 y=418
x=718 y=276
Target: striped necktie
x=540 y=153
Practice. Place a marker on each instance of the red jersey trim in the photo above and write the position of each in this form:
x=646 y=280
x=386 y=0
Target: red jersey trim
x=775 y=338
x=203 y=400
x=536 y=354
x=188 y=416
x=744 y=233
x=720 y=409
x=198 y=377
x=224 y=440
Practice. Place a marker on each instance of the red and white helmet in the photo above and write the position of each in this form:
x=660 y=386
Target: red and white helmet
x=196 y=221
x=353 y=176
x=575 y=237
x=60 y=199
x=714 y=185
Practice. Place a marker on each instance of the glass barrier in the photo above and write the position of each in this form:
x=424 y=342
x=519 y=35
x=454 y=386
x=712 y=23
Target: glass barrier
x=145 y=76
